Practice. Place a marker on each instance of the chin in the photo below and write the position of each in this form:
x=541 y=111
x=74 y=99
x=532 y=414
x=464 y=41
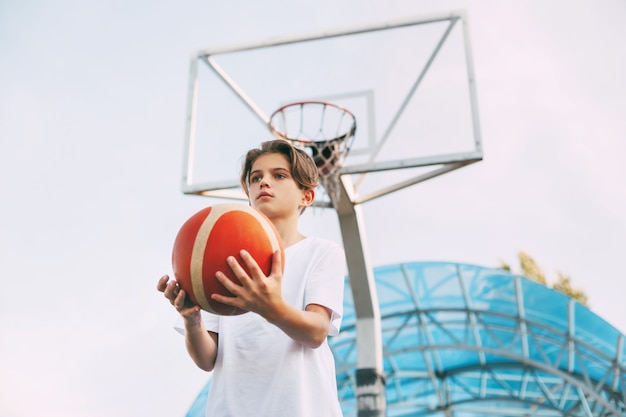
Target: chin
x=263 y=208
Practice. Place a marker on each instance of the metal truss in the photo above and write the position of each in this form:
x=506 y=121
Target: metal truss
x=465 y=341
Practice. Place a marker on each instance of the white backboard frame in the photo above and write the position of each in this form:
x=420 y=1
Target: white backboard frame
x=440 y=164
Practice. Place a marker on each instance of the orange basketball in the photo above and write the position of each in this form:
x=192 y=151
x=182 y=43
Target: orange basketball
x=208 y=237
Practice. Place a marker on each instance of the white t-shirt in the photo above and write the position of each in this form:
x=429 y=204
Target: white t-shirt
x=262 y=372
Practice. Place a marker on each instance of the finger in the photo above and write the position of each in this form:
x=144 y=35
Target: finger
x=237 y=269
x=228 y=283
x=251 y=263
x=224 y=299
x=179 y=301
x=277 y=264
x=184 y=305
x=171 y=290
x=162 y=283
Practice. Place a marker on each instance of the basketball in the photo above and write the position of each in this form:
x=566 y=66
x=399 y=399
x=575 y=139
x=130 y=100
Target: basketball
x=210 y=236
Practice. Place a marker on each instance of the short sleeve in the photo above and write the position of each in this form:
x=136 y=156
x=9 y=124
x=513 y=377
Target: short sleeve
x=325 y=285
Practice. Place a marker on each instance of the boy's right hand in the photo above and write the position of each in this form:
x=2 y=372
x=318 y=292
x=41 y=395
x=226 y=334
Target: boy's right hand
x=178 y=298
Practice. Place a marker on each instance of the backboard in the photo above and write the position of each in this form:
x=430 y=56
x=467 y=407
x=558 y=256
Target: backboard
x=409 y=82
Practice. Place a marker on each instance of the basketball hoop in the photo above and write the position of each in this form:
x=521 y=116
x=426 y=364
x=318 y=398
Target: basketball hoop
x=324 y=128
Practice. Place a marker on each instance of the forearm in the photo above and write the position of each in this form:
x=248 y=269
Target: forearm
x=201 y=345
x=309 y=327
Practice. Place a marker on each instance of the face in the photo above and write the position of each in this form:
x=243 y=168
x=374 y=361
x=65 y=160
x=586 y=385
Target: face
x=272 y=189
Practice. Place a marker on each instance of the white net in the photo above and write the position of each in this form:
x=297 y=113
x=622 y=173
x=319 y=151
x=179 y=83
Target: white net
x=327 y=130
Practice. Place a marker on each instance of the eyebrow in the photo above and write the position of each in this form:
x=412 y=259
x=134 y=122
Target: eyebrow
x=271 y=170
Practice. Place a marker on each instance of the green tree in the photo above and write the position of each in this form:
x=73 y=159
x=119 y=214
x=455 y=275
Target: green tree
x=563 y=284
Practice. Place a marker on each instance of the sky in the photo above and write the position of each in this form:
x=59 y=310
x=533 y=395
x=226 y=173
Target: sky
x=92 y=110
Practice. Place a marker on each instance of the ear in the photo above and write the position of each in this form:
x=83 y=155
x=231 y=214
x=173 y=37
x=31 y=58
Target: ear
x=308 y=196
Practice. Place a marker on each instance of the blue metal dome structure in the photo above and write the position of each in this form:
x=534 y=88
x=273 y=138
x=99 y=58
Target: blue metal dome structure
x=468 y=341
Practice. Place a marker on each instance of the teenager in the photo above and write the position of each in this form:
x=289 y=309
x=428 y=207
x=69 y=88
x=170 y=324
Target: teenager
x=273 y=361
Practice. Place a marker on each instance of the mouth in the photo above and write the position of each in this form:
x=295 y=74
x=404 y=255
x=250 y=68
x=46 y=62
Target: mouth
x=263 y=195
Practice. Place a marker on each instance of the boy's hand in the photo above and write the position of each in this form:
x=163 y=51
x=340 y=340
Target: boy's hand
x=178 y=298
x=257 y=292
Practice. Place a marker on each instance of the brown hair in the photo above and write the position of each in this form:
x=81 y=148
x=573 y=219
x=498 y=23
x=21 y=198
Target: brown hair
x=302 y=166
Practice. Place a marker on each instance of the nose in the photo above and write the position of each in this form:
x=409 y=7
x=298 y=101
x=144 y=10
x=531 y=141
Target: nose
x=263 y=182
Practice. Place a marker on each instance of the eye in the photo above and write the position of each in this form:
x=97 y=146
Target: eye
x=255 y=178
x=280 y=176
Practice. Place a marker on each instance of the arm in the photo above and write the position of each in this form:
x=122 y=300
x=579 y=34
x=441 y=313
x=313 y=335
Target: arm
x=308 y=327
x=201 y=344
x=263 y=296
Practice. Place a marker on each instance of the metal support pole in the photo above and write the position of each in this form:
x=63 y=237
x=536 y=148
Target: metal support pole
x=370 y=380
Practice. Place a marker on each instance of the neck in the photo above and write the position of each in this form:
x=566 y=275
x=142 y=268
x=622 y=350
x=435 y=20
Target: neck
x=288 y=232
